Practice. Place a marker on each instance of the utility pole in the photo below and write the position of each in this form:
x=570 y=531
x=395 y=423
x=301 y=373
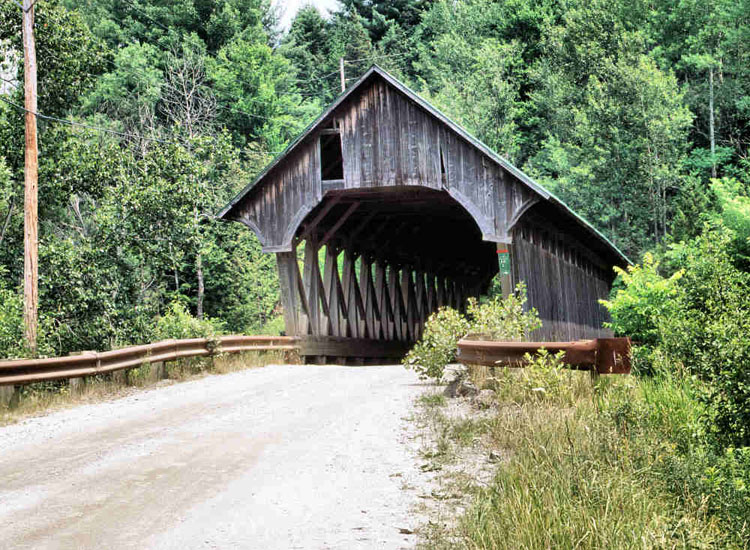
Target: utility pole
x=31 y=176
x=341 y=70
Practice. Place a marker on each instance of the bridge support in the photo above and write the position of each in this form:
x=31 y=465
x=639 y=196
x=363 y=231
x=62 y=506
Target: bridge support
x=353 y=307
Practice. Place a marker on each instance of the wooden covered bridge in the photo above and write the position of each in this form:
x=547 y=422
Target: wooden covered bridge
x=383 y=210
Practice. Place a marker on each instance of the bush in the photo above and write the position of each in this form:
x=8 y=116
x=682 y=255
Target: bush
x=696 y=321
x=503 y=318
x=179 y=324
x=438 y=344
x=546 y=378
x=640 y=305
x=498 y=318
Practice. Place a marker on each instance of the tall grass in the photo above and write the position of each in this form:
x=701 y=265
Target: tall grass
x=619 y=463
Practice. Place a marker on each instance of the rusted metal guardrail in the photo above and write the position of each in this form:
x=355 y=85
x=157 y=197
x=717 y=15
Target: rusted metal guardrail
x=604 y=355
x=26 y=371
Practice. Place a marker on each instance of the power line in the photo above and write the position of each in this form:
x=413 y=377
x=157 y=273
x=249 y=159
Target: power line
x=144 y=14
x=307 y=81
x=108 y=130
x=114 y=132
x=382 y=56
x=82 y=125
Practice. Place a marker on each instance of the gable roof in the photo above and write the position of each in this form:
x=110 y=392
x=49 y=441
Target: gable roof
x=413 y=96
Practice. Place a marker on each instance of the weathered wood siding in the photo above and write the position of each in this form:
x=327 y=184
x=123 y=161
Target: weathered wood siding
x=387 y=140
x=391 y=139
x=564 y=283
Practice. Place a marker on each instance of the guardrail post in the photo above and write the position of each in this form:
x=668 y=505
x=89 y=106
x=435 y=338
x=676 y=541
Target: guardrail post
x=76 y=385
x=8 y=396
x=157 y=371
x=120 y=377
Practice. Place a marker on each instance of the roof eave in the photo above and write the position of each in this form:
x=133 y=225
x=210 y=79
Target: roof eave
x=223 y=214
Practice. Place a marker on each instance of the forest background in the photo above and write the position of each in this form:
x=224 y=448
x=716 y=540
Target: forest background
x=636 y=113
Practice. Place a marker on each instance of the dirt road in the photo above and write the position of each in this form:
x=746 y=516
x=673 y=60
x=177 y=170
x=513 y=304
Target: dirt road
x=278 y=457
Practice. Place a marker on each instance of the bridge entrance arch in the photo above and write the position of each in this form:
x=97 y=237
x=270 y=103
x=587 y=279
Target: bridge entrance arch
x=367 y=267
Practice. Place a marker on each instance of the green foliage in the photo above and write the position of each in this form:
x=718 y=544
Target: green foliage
x=709 y=333
x=696 y=321
x=734 y=214
x=11 y=324
x=438 y=344
x=546 y=378
x=641 y=301
x=177 y=323
x=644 y=298
x=497 y=318
x=500 y=318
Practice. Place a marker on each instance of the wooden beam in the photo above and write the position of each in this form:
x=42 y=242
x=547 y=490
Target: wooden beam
x=332 y=231
x=352 y=347
x=288 y=284
x=358 y=229
x=309 y=227
x=312 y=285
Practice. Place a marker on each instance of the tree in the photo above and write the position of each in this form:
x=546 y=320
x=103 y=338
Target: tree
x=307 y=47
x=188 y=103
x=378 y=16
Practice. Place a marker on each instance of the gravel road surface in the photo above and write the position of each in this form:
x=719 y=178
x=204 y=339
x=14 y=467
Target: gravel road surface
x=278 y=457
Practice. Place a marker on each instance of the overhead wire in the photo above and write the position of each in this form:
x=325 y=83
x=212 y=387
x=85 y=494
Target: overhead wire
x=380 y=56
x=130 y=135
x=144 y=14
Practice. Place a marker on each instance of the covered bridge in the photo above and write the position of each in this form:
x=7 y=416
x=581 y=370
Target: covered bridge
x=383 y=210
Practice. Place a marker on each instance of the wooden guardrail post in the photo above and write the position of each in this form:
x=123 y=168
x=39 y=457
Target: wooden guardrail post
x=76 y=386
x=120 y=377
x=157 y=371
x=8 y=396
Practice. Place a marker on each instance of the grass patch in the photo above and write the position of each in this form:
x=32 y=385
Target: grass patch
x=617 y=463
x=43 y=397
x=433 y=400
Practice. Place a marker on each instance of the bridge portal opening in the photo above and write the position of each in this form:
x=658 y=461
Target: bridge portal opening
x=368 y=267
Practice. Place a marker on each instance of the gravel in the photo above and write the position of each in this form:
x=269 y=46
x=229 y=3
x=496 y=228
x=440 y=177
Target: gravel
x=277 y=457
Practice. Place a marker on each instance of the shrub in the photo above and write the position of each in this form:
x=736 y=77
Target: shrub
x=546 y=378
x=437 y=346
x=639 y=306
x=698 y=321
x=503 y=318
x=710 y=332
x=498 y=318
x=643 y=300
x=178 y=323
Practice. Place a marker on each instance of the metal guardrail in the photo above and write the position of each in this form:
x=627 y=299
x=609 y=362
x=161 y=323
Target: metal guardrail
x=27 y=371
x=604 y=355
